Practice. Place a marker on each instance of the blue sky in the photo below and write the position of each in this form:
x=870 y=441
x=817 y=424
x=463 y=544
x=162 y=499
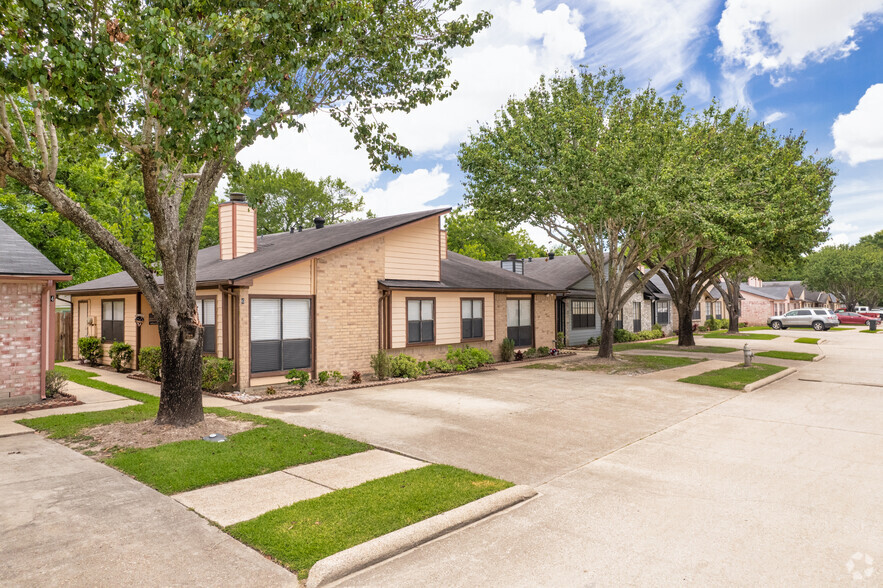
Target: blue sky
x=813 y=66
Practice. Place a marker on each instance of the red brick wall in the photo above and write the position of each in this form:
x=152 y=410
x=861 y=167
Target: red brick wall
x=20 y=333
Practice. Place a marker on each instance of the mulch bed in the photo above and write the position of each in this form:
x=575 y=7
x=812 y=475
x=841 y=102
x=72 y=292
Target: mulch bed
x=60 y=399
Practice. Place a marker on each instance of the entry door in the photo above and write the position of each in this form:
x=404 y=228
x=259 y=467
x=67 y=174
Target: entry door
x=518 y=322
x=636 y=321
x=82 y=319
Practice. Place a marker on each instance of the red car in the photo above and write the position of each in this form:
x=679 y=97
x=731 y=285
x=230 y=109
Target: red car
x=854 y=318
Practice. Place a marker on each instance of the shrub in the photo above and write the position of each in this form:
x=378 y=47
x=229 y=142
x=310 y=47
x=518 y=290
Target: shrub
x=507 y=349
x=519 y=355
x=530 y=352
x=591 y=341
x=542 y=351
x=381 y=365
x=713 y=324
x=657 y=327
x=442 y=366
x=150 y=362
x=55 y=383
x=298 y=378
x=270 y=390
x=622 y=336
x=216 y=371
x=120 y=355
x=460 y=368
x=356 y=378
x=90 y=349
x=405 y=366
x=337 y=377
x=323 y=377
x=559 y=339
x=469 y=357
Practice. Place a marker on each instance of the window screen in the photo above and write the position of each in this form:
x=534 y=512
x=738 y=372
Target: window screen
x=582 y=314
x=421 y=321
x=207 y=312
x=281 y=334
x=662 y=312
x=113 y=320
x=472 y=318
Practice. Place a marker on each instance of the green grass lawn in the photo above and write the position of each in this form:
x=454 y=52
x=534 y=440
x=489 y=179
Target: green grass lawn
x=299 y=535
x=734 y=378
x=869 y=331
x=642 y=344
x=185 y=465
x=807 y=340
x=741 y=329
x=788 y=355
x=750 y=336
x=696 y=349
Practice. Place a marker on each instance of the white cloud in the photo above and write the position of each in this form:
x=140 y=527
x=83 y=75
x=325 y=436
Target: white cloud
x=408 y=192
x=856 y=202
x=773 y=117
x=858 y=135
x=760 y=36
x=656 y=41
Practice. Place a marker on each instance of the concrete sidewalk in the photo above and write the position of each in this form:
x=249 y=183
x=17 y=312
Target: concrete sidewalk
x=68 y=520
x=242 y=500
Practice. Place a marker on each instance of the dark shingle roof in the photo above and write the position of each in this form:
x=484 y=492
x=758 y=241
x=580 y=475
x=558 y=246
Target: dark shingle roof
x=273 y=251
x=771 y=292
x=20 y=258
x=459 y=272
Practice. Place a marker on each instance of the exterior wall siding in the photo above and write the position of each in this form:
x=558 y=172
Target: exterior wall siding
x=94 y=330
x=412 y=252
x=21 y=340
x=293 y=279
x=447 y=316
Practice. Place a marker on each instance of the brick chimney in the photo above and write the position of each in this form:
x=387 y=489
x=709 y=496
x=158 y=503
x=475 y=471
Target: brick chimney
x=237 y=227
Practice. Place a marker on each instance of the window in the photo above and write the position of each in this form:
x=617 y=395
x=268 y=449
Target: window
x=421 y=321
x=582 y=314
x=709 y=310
x=662 y=311
x=281 y=336
x=636 y=317
x=804 y=312
x=113 y=320
x=718 y=310
x=472 y=318
x=513 y=265
x=205 y=307
x=697 y=314
x=791 y=313
x=619 y=320
x=518 y=321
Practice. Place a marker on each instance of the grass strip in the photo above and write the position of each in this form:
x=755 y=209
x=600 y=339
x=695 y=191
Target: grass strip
x=807 y=340
x=641 y=344
x=869 y=331
x=696 y=349
x=788 y=355
x=750 y=336
x=734 y=378
x=742 y=329
x=299 y=535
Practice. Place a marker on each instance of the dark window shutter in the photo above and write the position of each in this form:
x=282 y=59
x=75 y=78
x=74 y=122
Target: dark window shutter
x=208 y=342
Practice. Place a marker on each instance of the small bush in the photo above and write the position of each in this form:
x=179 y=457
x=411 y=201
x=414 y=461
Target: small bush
x=657 y=327
x=381 y=364
x=405 y=366
x=442 y=366
x=298 y=378
x=90 y=349
x=469 y=357
x=460 y=368
x=216 y=371
x=519 y=355
x=542 y=351
x=356 y=378
x=622 y=336
x=323 y=377
x=120 y=355
x=150 y=362
x=559 y=339
x=55 y=383
x=337 y=377
x=591 y=341
x=530 y=352
x=507 y=349
x=270 y=390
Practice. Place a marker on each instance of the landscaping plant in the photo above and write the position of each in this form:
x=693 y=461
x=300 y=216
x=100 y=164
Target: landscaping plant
x=469 y=357
x=150 y=362
x=507 y=349
x=405 y=366
x=90 y=349
x=559 y=339
x=356 y=378
x=381 y=364
x=323 y=377
x=298 y=378
x=216 y=371
x=542 y=351
x=120 y=355
x=55 y=383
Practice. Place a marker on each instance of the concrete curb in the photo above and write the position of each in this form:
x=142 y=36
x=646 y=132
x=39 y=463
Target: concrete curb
x=821 y=355
x=768 y=380
x=342 y=564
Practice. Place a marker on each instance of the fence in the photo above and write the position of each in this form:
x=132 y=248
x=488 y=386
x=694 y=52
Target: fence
x=64 y=336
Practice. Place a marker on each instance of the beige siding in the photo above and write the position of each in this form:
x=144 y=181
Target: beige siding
x=245 y=230
x=412 y=252
x=94 y=330
x=292 y=280
x=225 y=227
x=447 y=315
x=236 y=223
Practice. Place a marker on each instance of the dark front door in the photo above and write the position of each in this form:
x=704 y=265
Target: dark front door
x=518 y=321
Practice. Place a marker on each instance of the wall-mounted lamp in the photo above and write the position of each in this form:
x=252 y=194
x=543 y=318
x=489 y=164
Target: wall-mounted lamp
x=52 y=299
x=242 y=300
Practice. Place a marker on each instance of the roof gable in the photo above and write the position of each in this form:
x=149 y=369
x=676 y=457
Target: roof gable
x=20 y=258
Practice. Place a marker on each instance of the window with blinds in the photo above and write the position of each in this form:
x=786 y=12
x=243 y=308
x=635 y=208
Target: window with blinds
x=281 y=335
x=582 y=314
x=472 y=318
x=620 y=320
x=662 y=312
x=206 y=308
x=113 y=320
x=518 y=321
x=421 y=320
x=718 y=310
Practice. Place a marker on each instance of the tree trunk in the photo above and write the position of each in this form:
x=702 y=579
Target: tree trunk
x=730 y=296
x=605 y=347
x=685 y=325
x=181 y=391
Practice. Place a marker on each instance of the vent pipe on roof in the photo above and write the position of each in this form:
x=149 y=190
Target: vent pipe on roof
x=237 y=197
x=319 y=222
x=551 y=255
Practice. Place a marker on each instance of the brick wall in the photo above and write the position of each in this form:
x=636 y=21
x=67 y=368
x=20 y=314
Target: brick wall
x=20 y=334
x=544 y=317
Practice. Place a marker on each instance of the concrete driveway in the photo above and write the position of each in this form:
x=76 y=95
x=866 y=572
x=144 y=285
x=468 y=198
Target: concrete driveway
x=644 y=483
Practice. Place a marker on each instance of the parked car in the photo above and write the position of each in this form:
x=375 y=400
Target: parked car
x=820 y=319
x=854 y=318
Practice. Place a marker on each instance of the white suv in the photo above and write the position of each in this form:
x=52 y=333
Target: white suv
x=820 y=319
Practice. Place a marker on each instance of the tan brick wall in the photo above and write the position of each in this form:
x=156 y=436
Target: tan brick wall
x=544 y=317
x=20 y=341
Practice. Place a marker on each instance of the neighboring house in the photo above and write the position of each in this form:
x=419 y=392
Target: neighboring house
x=576 y=312
x=327 y=298
x=27 y=318
x=762 y=300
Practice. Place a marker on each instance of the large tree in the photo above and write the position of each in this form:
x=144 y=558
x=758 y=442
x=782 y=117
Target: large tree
x=853 y=273
x=286 y=198
x=760 y=197
x=597 y=167
x=480 y=236
x=183 y=87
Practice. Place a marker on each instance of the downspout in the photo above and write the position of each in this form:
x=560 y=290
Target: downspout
x=46 y=329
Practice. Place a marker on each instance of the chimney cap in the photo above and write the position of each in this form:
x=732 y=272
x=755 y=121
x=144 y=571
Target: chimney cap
x=319 y=222
x=237 y=197
x=511 y=257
